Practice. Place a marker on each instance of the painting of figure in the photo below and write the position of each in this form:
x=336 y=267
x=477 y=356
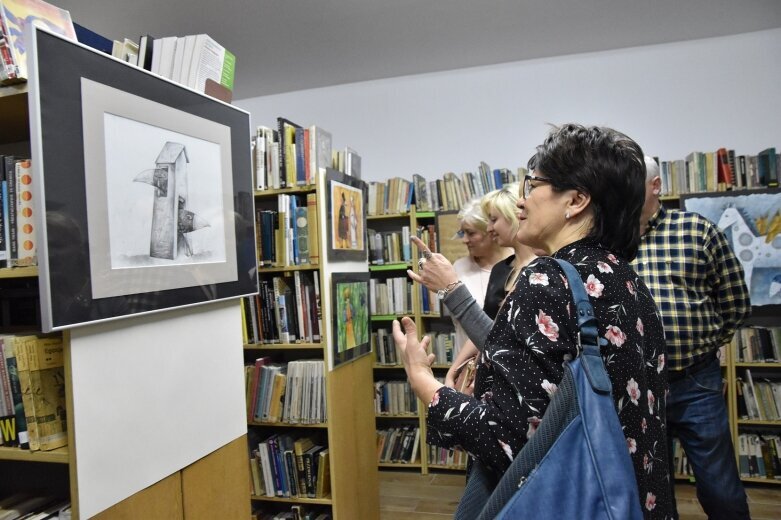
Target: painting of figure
x=351 y=316
x=752 y=223
x=346 y=217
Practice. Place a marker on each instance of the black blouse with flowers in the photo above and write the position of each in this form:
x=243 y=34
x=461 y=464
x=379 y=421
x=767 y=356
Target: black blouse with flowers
x=534 y=332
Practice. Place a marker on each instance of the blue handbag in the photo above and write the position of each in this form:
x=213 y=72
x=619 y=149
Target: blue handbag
x=577 y=464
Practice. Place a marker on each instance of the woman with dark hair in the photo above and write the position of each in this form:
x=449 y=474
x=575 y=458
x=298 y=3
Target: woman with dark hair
x=581 y=203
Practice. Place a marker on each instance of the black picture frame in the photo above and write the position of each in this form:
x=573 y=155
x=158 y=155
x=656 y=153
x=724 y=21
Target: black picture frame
x=346 y=217
x=746 y=207
x=351 y=325
x=91 y=208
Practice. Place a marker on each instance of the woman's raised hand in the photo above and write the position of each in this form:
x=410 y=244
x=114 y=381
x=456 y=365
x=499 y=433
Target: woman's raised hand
x=434 y=270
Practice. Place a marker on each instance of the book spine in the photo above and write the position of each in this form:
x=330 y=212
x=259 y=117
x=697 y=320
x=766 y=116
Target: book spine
x=10 y=171
x=19 y=421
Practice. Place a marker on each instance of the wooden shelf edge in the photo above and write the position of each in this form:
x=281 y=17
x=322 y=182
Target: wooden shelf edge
x=287 y=268
x=399 y=465
x=397 y=416
x=760 y=480
x=57 y=456
x=295 y=189
x=19 y=272
x=757 y=364
x=444 y=466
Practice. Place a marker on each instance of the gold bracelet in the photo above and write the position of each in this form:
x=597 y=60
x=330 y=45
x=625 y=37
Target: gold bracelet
x=444 y=292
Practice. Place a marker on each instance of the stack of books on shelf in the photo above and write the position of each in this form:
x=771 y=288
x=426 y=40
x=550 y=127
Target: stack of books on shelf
x=384 y=348
x=288 y=235
x=389 y=247
x=290 y=155
x=758 y=455
x=443 y=347
x=721 y=170
x=759 y=398
x=32 y=392
x=284 y=466
x=286 y=310
x=450 y=458
x=453 y=191
x=758 y=345
x=33 y=507
x=390 y=296
x=292 y=393
x=14 y=14
x=394 y=398
x=18 y=242
x=398 y=445
x=392 y=197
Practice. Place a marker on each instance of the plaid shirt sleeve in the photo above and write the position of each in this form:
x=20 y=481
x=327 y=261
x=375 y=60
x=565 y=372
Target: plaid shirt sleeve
x=730 y=294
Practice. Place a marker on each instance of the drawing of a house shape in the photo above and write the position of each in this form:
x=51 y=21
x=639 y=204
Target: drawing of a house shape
x=170 y=181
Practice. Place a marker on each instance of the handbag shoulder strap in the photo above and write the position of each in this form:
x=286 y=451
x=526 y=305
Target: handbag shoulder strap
x=588 y=330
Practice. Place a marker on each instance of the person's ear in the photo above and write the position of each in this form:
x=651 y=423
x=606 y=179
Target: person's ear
x=656 y=184
x=577 y=203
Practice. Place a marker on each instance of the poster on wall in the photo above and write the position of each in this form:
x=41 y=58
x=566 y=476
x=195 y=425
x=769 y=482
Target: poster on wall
x=751 y=220
x=146 y=202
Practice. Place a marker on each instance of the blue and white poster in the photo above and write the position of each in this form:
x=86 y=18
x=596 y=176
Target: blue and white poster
x=752 y=223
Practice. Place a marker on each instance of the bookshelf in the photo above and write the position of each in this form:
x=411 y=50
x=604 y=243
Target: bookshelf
x=348 y=430
x=58 y=472
x=390 y=384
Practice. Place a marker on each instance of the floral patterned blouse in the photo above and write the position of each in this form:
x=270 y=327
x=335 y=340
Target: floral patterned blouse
x=534 y=332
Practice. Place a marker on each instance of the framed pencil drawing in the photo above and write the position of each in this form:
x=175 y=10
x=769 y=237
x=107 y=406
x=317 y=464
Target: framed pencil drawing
x=346 y=216
x=146 y=201
x=351 y=315
x=751 y=220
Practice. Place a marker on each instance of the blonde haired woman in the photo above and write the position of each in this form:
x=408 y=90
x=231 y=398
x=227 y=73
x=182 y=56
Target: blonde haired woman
x=502 y=226
x=475 y=268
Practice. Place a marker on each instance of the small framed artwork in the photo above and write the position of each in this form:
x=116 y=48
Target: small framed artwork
x=751 y=220
x=350 y=304
x=146 y=202
x=346 y=217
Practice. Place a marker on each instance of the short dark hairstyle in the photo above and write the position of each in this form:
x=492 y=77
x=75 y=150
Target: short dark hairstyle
x=608 y=166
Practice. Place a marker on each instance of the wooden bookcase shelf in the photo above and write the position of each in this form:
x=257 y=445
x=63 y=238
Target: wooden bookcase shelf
x=58 y=456
x=349 y=412
x=19 y=272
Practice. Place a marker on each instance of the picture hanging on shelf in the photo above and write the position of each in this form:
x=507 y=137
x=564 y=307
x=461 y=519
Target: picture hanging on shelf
x=346 y=217
x=752 y=222
x=350 y=304
x=149 y=206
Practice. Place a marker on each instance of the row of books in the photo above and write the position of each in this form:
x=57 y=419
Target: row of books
x=291 y=155
x=288 y=234
x=196 y=61
x=389 y=247
x=394 y=398
x=448 y=193
x=759 y=398
x=758 y=344
x=721 y=170
x=292 y=393
x=398 y=444
x=18 y=242
x=33 y=507
x=758 y=455
x=386 y=353
x=391 y=296
x=286 y=310
x=32 y=392
x=282 y=466
x=14 y=14
x=268 y=511
x=449 y=458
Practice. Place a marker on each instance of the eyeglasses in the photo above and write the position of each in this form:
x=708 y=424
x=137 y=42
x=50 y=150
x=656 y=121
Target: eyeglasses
x=527 y=184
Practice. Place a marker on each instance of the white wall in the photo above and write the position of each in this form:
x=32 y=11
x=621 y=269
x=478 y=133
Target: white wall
x=672 y=99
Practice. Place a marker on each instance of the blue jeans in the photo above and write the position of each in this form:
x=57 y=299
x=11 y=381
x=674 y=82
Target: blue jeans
x=697 y=415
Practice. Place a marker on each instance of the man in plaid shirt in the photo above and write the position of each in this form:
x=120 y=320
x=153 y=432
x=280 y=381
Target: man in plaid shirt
x=698 y=285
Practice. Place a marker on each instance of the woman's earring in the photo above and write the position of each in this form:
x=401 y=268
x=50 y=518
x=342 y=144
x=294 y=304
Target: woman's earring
x=566 y=215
